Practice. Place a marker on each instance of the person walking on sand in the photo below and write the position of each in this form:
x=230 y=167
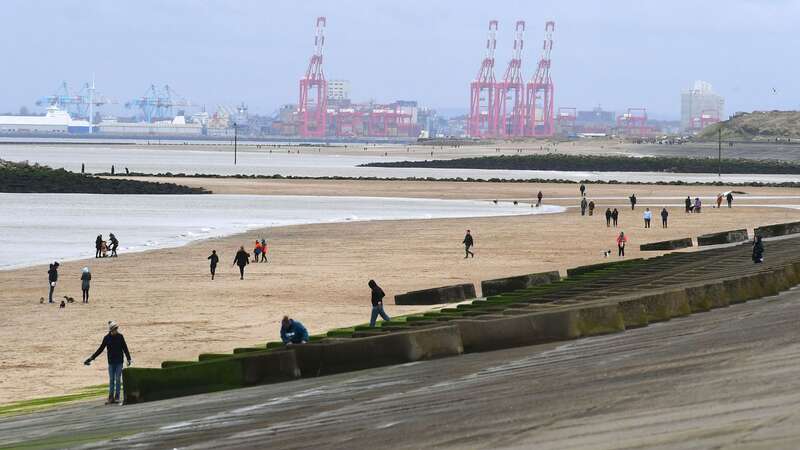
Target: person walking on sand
x=608 y=217
x=468 y=243
x=257 y=251
x=621 y=241
x=98 y=246
x=729 y=198
x=758 y=251
x=719 y=201
x=539 y=199
x=647 y=216
x=614 y=217
x=632 y=198
x=115 y=346
x=241 y=259
x=377 y=303
x=583 y=190
x=86 y=279
x=698 y=205
x=584 y=205
x=52 y=278
x=664 y=217
x=293 y=332
x=264 y=250
x=114 y=244
x=213 y=260
x=591 y=208
x=688 y=203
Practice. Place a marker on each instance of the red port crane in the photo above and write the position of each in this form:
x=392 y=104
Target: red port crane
x=313 y=106
x=540 y=91
x=481 y=110
x=509 y=98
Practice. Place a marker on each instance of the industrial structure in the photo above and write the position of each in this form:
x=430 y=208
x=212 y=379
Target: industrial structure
x=481 y=110
x=323 y=113
x=540 y=91
x=509 y=93
x=700 y=107
x=509 y=107
x=78 y=105
x=157 y=104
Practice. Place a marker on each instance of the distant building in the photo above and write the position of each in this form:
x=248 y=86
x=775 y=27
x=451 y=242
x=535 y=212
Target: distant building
x=338 y=90
x=174 y=127
x=700 y=107
x=596 y=120
x=56 y=121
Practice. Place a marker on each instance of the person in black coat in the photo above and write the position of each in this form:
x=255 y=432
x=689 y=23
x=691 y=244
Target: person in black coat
x=98 y=246
x=608 y=217
x=632 y=198
x=241 y=259
x=664 y=217
x=468 y=243
x=213 y=259
x=115 y=346
x=52 y=278
x=758 y=251
x=614 y=217
x=729 y=198
x=688 y=204
x=114 y=244
x=377 y=303
x=584 y=204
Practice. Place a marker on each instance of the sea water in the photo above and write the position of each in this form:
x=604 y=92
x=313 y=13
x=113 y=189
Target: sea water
x=40 y=228
x=307 y=163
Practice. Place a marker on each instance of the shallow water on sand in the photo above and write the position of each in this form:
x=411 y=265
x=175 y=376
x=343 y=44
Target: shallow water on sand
x=40 y=228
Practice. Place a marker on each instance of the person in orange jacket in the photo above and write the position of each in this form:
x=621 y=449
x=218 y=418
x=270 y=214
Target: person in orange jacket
x=257 y=251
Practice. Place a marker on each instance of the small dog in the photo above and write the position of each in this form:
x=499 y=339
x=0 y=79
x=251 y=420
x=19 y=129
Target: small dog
x=606 y=253
x=41 y=299
x=62 y=305
x=69 y=299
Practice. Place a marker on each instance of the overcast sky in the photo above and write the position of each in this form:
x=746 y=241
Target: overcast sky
x=615 y=53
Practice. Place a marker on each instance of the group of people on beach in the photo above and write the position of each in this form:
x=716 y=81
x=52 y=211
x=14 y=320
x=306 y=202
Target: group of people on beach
x=242 y=258
x=52 y=281
x=612 y=216
x=102 y=246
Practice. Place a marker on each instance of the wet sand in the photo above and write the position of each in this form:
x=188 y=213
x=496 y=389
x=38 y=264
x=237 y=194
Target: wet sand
x=168 y=308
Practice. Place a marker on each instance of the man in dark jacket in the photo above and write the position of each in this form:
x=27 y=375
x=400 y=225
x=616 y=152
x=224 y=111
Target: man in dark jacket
x=615 y=217
x=632 y=198
x=583 y=190
x=114 y=244
x=729 y=198
x=468 y=243
x=214 y=259
x=688 y=204
x=115 y=346
x=98 y=246
x=539 y=199
x=758 y=251
x=377 y=303
x=664 y=217
x=241 y=259
x=293 y=332
x=52 y=278
x=584 y=204
x=608 y=217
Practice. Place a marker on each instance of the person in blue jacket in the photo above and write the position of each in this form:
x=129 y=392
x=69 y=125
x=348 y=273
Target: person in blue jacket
x=293 y=332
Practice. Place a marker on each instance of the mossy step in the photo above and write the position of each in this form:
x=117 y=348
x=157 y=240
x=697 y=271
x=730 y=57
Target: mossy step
x=168 y=364
x=210 y=356
x=236 y=351
x=369 y=333
x=411 y=319
x=274 y=345
x=340 y=333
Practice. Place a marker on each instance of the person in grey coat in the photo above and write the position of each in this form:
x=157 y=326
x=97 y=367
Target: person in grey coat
x=86 y=279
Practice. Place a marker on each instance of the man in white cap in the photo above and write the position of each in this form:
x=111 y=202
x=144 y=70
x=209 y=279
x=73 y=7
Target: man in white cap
x=115 y=346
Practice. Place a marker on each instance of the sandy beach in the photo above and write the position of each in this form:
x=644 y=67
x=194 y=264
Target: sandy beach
x=168 y=308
